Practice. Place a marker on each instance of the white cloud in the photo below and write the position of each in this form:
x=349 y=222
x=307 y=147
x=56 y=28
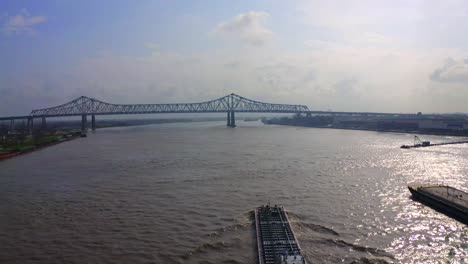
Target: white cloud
x=354 y=68
x=451 y=72
x=22 y=23
x=368 y=13
x=339 y=77
x=388 y=23
x=320 y=44
x=250 y=27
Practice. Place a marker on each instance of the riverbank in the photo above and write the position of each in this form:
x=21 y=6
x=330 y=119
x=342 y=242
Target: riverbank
x=30 y=145
x=327 y=122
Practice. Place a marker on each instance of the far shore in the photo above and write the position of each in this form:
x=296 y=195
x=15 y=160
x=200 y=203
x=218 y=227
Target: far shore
x=327 y=122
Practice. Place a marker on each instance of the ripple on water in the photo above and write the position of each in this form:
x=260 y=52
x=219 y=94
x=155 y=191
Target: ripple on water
x=185 y=194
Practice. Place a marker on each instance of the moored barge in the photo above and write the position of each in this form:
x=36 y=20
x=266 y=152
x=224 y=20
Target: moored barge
x=276 y=241
x=446 y=199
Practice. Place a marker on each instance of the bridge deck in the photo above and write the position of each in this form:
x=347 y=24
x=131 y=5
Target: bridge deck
x=13 y=117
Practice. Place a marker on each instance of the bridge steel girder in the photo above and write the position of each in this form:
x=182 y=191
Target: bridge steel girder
x=6 y=118
x=85 y=105
x=90 y=106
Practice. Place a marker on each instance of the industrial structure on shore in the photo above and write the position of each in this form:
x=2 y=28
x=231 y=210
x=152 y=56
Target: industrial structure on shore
x=439 y=124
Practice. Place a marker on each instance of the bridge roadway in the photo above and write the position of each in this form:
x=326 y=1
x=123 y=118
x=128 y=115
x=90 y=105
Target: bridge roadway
x=85 y=106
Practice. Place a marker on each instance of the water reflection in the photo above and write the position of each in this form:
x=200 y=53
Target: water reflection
x=183 y=193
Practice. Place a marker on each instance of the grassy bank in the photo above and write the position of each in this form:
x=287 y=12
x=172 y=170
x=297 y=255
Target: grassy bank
x=13 y=145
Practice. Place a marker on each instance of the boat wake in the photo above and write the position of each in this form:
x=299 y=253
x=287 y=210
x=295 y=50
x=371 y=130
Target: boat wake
x=320 y=244
x=230 y=244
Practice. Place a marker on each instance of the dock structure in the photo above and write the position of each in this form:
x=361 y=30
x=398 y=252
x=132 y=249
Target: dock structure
x=434 y=144
x=422 y=144
x=276 y=241
x=446 y=199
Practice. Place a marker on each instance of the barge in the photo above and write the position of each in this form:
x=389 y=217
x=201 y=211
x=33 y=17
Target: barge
x=446 y=199
x=276 y=241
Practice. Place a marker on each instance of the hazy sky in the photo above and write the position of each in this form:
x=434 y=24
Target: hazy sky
x=399 y=56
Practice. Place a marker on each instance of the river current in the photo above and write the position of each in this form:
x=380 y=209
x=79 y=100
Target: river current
x=184 y=193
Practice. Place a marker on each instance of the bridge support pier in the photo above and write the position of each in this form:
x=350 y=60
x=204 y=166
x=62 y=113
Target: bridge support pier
x=231 y=119
x=12 y=125
x=93 y=122
x=84 y=124
x=43 y=124
x=30 y=125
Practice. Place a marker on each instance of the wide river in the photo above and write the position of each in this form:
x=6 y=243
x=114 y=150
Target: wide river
x=184 y=193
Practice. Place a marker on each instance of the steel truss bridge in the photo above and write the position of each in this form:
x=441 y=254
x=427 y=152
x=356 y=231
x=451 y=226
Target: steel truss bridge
x=228 y=103
x=84 y=106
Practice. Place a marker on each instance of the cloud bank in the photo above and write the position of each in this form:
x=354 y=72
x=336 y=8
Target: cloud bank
x=22 y=23
x=318 y=61
x=451 y=72
x=249 y=27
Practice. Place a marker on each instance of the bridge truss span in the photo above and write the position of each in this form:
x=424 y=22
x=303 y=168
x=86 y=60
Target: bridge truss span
x=229 y=103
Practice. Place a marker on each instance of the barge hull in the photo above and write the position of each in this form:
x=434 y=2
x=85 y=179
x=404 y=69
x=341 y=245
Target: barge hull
x=456 y=209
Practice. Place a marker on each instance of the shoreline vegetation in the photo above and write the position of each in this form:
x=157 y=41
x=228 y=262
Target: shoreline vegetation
x=16 y=145
x=18 y=141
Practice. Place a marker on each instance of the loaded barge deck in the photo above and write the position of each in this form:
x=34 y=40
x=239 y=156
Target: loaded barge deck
x=276 y=241
x=446 y=199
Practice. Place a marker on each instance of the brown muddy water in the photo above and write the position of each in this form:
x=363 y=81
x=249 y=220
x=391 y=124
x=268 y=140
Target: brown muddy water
x=184 y=193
